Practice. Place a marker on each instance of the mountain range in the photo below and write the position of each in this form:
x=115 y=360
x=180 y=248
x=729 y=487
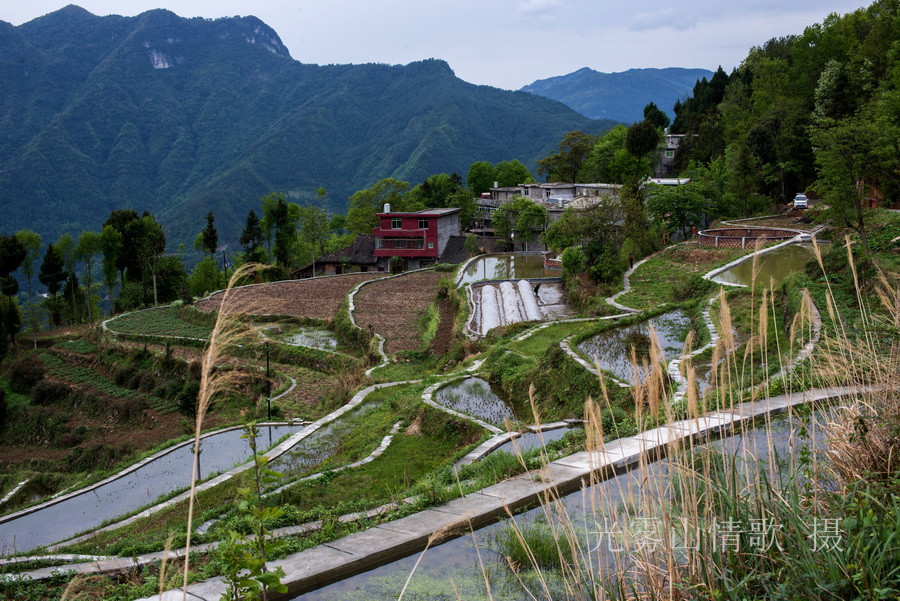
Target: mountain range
x=180 y=116
x=619 y=96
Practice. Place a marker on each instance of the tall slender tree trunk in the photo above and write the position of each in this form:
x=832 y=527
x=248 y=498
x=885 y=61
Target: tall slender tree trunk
x=155 y=302
x=87 y=293
x=31 y=314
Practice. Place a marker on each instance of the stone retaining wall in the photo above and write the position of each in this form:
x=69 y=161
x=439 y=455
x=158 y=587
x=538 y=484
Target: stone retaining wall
x=735 y=237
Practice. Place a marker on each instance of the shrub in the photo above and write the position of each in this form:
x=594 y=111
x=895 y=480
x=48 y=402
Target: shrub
x=574 y=260
x=694 y=287
x=187 y=398
x=121 y=376
x=130 y=298
x=46 y=392
x=25 y=372
x=397 y=264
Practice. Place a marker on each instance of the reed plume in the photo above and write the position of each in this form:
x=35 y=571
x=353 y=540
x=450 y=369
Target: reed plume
x=229 y=329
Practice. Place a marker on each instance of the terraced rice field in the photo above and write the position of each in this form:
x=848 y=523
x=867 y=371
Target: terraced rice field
x=319 y=298
x=392 y=308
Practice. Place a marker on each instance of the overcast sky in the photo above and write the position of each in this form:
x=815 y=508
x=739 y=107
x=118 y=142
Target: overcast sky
x=503 y=43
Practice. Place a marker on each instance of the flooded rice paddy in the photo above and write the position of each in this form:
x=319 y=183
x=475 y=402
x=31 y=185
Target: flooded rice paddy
x=612 y=349
x=458 y=568
x=772 y=267
x=170 y=472
x=506 y=267
x=474 y=396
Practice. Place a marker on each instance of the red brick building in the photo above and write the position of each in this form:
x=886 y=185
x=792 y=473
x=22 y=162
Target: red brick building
x=419 y=237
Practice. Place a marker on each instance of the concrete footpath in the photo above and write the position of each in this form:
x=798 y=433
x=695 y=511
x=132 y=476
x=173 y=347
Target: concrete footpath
x=361 y=551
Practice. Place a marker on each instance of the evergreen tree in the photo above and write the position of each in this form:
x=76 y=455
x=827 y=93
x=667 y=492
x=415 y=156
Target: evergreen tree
x=52 y=274
x=32 y=243
x=12 y=253
x=252 y=239
x=210 y=236
x=659 y=119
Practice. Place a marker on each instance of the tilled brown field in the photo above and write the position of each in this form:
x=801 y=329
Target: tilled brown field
x=392 y=308
x=319 y=298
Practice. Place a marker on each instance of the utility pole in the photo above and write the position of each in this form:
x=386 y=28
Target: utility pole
x=268 y=386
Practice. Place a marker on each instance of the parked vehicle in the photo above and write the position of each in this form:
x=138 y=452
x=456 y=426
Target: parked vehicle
x=800 y=201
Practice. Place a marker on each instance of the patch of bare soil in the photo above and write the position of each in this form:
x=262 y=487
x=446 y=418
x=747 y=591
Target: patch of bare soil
x=444 y=335
x=319 y=298
x=697 y=256
x=415 y=428
x=392 y=308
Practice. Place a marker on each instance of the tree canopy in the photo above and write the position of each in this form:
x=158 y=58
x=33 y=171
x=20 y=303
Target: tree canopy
x=565 y=164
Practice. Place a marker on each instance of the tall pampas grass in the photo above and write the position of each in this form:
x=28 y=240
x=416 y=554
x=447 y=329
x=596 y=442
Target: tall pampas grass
x=841 y=459
x=229 y=329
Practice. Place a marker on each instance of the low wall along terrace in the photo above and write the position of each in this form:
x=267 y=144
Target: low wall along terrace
x=740 y=237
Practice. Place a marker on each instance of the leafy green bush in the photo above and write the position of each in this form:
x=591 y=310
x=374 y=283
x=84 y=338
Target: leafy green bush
x=348 y=334
x=47 y=392
x=574 y=260
x=694 y=287
x=25 y=372
x=397 y=264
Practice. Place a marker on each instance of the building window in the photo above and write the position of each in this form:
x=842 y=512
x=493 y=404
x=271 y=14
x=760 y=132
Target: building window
x=396 y=224
x=431 y=245
x=423 y=224
x=525 y=191
x=670 y=154
x=399 y=243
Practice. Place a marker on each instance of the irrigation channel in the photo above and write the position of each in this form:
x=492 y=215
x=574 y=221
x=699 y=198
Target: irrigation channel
x=166 y=472
x=457 y=569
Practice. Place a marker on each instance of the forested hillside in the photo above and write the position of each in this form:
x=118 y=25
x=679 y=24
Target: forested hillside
x=178 y=116
x=816 y=112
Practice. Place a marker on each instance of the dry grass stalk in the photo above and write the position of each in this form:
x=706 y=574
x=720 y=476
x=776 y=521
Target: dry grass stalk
x=229 y=328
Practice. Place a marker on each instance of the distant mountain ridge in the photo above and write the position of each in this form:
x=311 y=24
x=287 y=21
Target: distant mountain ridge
x=180 y=116
x=619 y=96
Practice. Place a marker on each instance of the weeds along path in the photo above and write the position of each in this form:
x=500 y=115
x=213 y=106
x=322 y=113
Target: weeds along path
x=392 y=308
x=318 y=298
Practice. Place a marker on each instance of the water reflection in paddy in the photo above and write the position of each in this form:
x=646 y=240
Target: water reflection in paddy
x=506 y=267
x=318 y=446
x=773 y=266
x=453 y=570
x=473 y=396
x=319 y=338
x=612 y=349
x=532 y=440
x=169 y=472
